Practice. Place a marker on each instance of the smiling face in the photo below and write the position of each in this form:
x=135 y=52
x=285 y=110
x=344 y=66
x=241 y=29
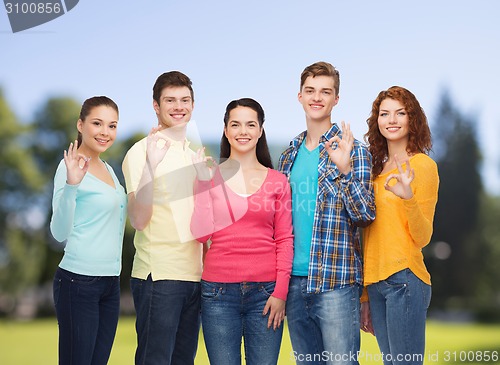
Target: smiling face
x=318 y=98
x=393 y=121
x=98 y=129
x=243 y=130
x=175 y=107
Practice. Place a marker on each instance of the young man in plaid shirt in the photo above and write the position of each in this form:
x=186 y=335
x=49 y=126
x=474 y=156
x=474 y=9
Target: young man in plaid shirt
x=332 y=195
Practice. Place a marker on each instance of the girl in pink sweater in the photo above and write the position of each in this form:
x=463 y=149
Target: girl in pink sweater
x=243 y=214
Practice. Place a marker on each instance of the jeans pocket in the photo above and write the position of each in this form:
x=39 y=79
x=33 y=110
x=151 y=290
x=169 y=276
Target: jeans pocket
x=136 y=284
x=398 y=280
x=268 y=288
x=85 y=280
x=78 y=278
x=210 y=290
x=56 y=289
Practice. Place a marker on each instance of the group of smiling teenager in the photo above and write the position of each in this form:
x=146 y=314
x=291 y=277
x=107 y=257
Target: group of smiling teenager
x=331 y=239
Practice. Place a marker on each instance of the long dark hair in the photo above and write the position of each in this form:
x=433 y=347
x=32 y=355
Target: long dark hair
x=262 y=149
x=90 y=104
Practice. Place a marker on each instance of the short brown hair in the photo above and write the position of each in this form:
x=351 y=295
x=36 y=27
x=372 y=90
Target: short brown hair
x=321 y=69
x=171 y=79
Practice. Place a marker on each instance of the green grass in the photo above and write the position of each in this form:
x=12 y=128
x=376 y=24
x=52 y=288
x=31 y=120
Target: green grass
x=35 y=343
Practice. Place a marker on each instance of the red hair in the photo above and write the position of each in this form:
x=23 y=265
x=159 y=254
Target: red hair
x=419 y=138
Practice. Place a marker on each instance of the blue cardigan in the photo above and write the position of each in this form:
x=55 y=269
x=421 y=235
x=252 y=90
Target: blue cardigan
x=91 y=218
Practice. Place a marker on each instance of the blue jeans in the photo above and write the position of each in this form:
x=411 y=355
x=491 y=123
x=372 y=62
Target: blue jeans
x=167 y=321
x=398 y=307
x=87 y=309
x=230 y=311
x=324 y=327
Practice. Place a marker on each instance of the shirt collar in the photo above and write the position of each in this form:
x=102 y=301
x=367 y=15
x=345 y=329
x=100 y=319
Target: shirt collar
x=176 y=143
x=332 y=132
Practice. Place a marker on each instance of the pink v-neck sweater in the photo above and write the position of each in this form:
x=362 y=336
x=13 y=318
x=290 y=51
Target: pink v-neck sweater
x=251 y=237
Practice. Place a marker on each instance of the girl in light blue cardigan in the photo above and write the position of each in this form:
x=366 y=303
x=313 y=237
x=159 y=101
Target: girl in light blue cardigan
x=89 y=213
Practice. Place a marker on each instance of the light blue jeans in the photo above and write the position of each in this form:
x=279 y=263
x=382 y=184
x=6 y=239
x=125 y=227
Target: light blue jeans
x=324 y=327
x=230 y=311
x=398 y=307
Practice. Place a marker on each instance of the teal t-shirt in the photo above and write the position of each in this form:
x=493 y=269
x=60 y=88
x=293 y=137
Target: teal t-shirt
x=304 y=184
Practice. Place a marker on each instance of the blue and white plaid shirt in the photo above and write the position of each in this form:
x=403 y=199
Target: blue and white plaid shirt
x=343 y=203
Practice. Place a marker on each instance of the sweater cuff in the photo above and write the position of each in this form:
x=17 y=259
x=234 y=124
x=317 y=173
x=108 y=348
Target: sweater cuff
x=281 y=288
x=70 y=190
x=202 y=185
x=410 y=203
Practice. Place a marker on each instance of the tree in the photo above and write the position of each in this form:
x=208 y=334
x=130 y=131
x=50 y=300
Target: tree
x=458 y=157
x=487 y=288
x=21 y=252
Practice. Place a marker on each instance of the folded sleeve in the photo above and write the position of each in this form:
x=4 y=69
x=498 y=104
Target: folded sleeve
x=283 y=238
x=63 y=205
x=202 y=220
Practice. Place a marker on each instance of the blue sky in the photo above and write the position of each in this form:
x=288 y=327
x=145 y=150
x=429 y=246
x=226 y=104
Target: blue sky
x=234 y=49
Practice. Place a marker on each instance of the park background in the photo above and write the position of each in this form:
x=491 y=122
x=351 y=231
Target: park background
x=445 y=52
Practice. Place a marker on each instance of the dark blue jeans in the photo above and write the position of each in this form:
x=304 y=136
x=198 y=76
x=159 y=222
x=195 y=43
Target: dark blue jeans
x=167 y=322
x=230 y=311
x=87 y=309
